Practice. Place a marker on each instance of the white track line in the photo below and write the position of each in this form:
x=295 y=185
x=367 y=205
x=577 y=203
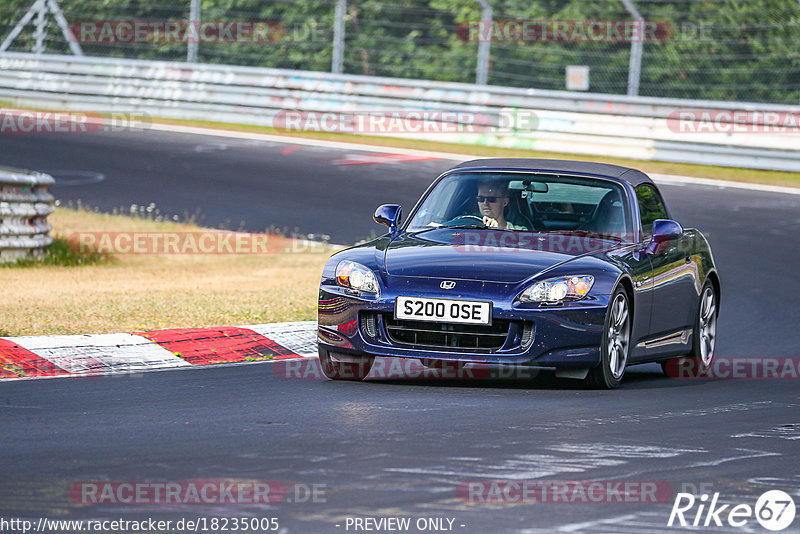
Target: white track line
x=660 y=178
x=307 y=141
x=723 y=184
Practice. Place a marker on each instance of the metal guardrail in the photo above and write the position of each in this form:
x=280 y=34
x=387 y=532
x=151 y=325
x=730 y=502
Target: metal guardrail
x=25 y=204
x=567 y=122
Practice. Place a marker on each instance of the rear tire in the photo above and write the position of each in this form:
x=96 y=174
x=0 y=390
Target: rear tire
x=616 y=344
x=338 y=366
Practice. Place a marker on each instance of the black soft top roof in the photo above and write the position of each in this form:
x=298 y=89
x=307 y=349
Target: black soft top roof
x=555 y=166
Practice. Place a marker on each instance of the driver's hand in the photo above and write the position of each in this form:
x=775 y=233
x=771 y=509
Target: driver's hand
x=488 y=221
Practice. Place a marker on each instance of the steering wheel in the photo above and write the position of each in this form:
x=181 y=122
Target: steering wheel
x=534 y=225
x=462 y=219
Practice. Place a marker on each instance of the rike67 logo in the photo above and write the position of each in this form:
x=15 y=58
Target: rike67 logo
x=774 y=510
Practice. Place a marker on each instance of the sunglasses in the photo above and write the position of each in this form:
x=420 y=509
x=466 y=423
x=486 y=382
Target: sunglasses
x=491 y=200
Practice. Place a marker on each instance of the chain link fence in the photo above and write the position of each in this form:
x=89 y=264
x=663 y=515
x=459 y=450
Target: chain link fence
x=744 y=50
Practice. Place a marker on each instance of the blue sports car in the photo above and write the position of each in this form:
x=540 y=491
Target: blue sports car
x=566 y=265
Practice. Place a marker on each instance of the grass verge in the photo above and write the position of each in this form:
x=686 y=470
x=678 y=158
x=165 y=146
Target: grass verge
x=104 y=293
x=60 y=254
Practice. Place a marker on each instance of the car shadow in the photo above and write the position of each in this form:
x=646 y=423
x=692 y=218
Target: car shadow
x=412 y=373
x=646 y=376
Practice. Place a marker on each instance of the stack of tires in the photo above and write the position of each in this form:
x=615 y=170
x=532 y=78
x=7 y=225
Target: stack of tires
x=25 y=204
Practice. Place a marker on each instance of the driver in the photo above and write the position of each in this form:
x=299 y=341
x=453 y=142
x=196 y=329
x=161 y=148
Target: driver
x=492 y=200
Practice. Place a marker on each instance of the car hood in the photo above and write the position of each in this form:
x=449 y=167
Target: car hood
x=485 y=255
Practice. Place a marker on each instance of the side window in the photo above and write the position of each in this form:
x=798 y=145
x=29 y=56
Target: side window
x=651 y=207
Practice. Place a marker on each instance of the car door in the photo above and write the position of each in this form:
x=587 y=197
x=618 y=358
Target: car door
x=639 y=268
x=673 y=269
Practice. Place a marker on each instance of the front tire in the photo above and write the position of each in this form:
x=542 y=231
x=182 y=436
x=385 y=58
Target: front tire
x=706 y=327
x=338 y=366
x=616 y=344
x=704 y=339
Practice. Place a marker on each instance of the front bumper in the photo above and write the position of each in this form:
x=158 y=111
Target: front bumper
x=566 y=336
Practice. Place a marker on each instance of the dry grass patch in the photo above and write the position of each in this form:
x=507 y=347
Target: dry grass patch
x=133 y=292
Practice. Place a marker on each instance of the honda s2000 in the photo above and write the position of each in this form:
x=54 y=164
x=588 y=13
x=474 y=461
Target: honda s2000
x=572 y=266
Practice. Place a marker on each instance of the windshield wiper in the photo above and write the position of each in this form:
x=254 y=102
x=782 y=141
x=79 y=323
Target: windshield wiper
x=462 y=225
x=471 y=226
x=587 y=233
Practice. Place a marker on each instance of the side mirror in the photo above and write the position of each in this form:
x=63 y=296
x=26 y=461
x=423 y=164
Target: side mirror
x=664 y=230
x=388 y=214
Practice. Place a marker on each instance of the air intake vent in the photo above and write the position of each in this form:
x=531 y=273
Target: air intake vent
x=369 y=324
x=441 y=335
x=527 y=335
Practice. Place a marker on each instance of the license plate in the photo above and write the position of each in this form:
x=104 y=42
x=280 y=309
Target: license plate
x=443 y=310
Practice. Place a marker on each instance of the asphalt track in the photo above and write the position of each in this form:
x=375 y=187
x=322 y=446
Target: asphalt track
x=400 y=448
x=224 y=182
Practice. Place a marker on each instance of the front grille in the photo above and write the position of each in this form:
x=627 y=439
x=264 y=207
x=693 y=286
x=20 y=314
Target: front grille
x=445 y=335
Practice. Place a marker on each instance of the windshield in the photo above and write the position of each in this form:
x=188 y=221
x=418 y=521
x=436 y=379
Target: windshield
x=524 y=203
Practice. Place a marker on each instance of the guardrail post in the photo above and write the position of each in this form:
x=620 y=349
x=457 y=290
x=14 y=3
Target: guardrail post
x=482 y=70
x=338 y=37
x=25 y=204
x=192 y=44
x=635 y=65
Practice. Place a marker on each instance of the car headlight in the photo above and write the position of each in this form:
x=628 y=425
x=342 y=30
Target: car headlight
x=356 y=276
x=554 y=290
